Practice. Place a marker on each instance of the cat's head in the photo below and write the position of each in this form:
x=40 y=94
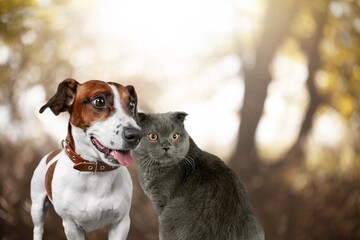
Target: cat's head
x=165 y=141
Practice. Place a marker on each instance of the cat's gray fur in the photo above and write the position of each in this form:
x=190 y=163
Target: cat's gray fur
x=197 y=197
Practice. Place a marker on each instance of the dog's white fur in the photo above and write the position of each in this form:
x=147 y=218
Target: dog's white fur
x=87 y=200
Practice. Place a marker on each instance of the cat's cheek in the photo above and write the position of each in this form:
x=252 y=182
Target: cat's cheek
x=141 y=147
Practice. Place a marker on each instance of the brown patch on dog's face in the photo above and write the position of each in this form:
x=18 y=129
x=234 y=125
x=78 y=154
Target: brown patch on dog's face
x=91 y=101
x=94 y=101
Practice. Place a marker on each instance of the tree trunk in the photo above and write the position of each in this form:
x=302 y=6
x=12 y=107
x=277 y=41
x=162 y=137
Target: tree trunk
x=311 y=49
x=270 y=191
x=256 y=81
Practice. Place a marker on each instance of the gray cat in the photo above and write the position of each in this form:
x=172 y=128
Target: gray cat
x=197 y=197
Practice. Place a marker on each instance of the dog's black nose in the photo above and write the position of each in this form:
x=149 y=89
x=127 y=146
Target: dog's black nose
x=132 y=135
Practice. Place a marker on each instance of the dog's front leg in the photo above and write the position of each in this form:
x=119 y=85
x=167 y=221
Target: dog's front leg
x=72 y=231
x=39 y=200
x=38 y=210
x=120 y=230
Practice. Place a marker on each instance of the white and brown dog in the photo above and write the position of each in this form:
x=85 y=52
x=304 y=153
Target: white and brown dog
x=85 y=181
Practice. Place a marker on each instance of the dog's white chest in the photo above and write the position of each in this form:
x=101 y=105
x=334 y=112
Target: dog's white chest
x=92 y=199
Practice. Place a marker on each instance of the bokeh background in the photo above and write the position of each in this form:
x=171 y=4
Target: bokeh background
x=272 y=87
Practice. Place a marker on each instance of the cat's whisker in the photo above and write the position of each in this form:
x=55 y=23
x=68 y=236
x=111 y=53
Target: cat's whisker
x=148 y=162
x=144 y=160
x=145 y=156
x=188 y=162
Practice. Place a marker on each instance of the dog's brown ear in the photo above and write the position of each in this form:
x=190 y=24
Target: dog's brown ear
x=132 y=92
x=63 y=98
x=133 y=98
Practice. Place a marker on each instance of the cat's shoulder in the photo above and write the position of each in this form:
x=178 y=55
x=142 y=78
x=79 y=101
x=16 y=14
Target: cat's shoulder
x=207 y=162
x=214 y=164
x=212 y=167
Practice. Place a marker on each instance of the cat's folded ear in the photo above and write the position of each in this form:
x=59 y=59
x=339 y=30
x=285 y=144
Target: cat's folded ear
x=142 y=117
x=180 y=116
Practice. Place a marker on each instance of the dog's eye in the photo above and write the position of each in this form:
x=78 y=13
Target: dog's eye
x=98 y=102
x=132 y=105
x=175 y=136
x=153 y=137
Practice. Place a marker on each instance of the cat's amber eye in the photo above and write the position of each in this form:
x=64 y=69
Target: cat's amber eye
x=153 y=137
x=175 y=136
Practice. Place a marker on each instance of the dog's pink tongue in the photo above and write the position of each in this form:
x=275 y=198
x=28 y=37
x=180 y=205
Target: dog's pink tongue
x=124 y=158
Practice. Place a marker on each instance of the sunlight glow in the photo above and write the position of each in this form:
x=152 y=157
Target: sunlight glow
x=4 y=53
x=329 y=128
x=166 y=42
x=248 y=11
x=29 y=102
x=181 y=51
x=214 y=123
x=159 y=26
x=185 y=53
x=284 y=107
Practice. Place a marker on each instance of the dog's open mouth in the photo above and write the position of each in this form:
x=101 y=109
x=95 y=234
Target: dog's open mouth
x=115 y=156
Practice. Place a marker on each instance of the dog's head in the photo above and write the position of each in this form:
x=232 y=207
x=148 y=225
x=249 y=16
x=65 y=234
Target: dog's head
x=103 y=119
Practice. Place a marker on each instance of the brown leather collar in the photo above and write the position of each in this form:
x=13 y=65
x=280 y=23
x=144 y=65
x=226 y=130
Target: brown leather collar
x=84 y=165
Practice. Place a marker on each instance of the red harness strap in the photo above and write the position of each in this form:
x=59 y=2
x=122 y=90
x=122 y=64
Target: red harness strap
x=50 y=172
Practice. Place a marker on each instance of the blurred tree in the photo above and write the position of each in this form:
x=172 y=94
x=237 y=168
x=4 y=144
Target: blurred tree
x=27 y=50
x=29 y=46
x=257 y=78
x=325 y=30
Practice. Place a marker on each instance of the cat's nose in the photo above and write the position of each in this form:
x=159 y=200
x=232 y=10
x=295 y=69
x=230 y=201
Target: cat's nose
x=132 y=135
x=166 y=149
